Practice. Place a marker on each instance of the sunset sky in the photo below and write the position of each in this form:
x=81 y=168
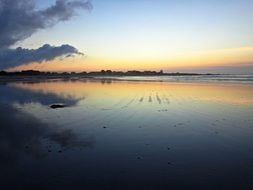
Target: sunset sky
x=173 y=35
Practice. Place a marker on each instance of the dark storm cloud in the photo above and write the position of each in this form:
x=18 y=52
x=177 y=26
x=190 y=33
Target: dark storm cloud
x=19 y=19
x=64 y=10
x=20 y=56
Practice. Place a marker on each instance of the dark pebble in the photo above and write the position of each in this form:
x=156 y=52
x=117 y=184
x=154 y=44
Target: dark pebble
x=56 y=106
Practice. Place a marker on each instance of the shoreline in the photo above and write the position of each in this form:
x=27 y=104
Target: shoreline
x=108 y=79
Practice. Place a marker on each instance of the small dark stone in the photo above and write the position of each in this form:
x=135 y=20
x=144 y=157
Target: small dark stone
x=49 y=150
x=104 y=127
x=138 y=157
x=60 y=151
x=56 y=106
x=168 y=148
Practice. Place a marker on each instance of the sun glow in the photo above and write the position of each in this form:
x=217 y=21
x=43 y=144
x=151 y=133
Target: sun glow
x=180 y=60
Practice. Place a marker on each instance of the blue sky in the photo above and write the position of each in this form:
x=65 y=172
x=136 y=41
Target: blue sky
x=138 y=29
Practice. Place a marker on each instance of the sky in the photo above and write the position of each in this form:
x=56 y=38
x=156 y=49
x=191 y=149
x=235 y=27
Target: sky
x=172 y=35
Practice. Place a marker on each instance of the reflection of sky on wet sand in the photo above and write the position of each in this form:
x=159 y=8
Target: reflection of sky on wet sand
x=223 y=93
x=140 y=134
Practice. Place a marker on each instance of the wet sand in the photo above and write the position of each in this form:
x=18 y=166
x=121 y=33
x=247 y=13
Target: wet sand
x=126 y=135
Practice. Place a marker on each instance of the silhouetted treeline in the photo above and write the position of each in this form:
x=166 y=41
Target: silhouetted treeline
x=100 y=73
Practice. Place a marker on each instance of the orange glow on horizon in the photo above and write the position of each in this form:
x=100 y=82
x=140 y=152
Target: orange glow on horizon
x=197 y=59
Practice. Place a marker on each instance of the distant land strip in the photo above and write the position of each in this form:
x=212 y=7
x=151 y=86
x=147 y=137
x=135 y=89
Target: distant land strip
x=97 y=73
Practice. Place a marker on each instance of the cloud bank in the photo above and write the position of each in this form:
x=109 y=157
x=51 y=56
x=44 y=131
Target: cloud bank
x=14 y=57
x=20 y=19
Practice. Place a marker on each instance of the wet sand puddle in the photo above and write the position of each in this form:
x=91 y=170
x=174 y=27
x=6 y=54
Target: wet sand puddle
x=153 y=131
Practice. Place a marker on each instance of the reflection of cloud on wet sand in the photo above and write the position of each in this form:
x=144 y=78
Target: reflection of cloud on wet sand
x=15 y=94
x=68 y=139
x=22 y=134
x=62 y=88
